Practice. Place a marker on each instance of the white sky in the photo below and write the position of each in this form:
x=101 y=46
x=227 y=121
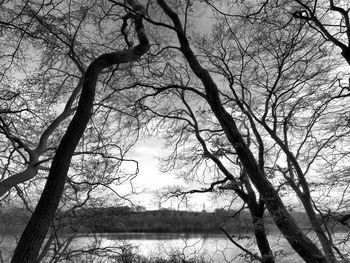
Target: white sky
x=147 y=151
x=150 y=179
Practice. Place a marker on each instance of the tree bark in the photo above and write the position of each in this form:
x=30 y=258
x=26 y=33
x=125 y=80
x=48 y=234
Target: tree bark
x=284 y=221
x=257 y=210
x=261 y=240
x=35 y=232
x=304 y=196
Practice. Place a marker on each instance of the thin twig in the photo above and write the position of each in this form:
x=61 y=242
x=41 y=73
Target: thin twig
x=239 y=246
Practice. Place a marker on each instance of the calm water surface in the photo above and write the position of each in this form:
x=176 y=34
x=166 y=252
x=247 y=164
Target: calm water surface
x=215 y=248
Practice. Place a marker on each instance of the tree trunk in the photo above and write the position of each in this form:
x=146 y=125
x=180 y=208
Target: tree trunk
x=257 y=209
x=262 y=241
x=29 y=245
x=35 y=232
x=316 y=226
x=284 y=221
x=257 y=212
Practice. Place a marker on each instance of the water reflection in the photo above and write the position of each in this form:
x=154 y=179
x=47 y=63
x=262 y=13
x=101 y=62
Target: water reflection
x=160 y=236
x=214 y=248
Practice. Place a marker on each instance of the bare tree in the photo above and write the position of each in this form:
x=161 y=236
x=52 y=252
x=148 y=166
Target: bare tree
x=250 y=105
x=269 y=122
x=31 y=240
x=330 y=18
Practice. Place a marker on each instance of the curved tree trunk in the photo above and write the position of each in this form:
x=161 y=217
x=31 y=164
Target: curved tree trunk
x=32 y=238
x=307 y=249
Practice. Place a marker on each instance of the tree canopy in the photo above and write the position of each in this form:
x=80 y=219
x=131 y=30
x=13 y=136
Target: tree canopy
x=251 y=100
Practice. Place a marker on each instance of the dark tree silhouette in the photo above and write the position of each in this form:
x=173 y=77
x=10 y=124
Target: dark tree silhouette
x=307 y=249
x=32 y=238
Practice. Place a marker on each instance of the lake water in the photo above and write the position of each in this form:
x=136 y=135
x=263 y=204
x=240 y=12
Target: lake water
x=213 y=247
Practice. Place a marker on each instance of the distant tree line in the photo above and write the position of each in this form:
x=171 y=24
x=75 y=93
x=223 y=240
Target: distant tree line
x=137 y=219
